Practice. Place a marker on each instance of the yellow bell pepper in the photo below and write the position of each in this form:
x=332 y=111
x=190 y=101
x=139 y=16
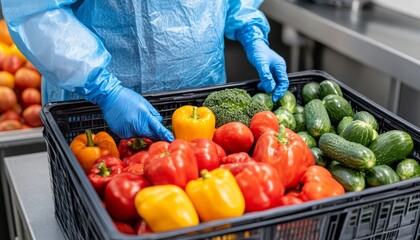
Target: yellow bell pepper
x=165 y=207
x=216 y=195
x=191 y=122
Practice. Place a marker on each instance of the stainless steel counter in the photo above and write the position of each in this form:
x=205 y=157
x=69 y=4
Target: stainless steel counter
x=375 y=36
x=29 y=188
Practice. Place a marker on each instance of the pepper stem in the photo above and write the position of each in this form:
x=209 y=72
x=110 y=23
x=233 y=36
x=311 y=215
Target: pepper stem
x=138 y=144
x=89 y=138
x=205 y=174
x=104 y=171
x=281 y=135
x=194 y=113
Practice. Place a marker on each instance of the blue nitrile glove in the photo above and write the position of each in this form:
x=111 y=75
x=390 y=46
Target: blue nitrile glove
x=271 y=66
x=127 y=113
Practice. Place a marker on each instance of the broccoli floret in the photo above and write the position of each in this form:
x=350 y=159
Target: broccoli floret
x=232 y=105
x=255 y=107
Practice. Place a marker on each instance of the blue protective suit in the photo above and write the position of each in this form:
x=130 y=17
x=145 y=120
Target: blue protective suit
x=156 y=45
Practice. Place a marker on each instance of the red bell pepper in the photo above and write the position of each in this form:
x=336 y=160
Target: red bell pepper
x=102 y=171
x=120 y=193
x=260 y=184
x=240 y=157
x=143 y=228
x=206 y=153
x=262 y=122
x=139 y=157
x=220 y=151
x=136 y=168
x=319 y=183
x=290 y=198
x=130 y=146
x=287 y=152
x=124 y=227
x=171 y=163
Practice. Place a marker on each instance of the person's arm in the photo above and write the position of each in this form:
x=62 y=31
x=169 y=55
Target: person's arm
x=69 y=55
x=250 y=27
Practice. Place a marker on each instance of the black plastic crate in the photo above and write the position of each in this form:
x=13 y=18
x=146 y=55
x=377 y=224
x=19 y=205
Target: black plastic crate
x=386 y=212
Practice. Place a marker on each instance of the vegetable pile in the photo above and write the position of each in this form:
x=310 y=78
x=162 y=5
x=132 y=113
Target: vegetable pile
x=238 y=154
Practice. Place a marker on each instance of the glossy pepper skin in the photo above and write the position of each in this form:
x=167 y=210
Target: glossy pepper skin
x=216 y=195
x=260 y=184
x=103 y=170
x=240 y=157
x=317 y=183
x=206 y=153
x=171 y=163
x=191 y=122
x=88 y=147
x=262 y=122
x=287 y=152
x=165 y=207
x=120 y=193
x=131 y=146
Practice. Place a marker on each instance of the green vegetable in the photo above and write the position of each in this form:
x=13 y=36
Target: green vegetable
x=343 y=124
x=349 y=154
x=310 y=91
x=337 y=107
x=392 y=146
x=352 y=180
x=367 y=118
x=299 y=109
x=300 y=122
x=233 y=105
x=310 y=141
x=408 y=168
x=285 y=117
x=316 y=118
x=320 y=158
x=265 y=99
x=359 y=132
x=328 y=87
x=288 y=101
x=381 y=175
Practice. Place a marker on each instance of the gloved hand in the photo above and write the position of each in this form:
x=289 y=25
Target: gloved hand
x=271 y=68
x=127 y=113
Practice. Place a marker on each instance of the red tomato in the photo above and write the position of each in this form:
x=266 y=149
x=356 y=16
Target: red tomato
x=234 y=137
x=263 y=121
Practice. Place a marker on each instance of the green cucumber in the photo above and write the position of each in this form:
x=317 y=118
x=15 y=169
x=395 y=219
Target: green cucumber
x=381 y=175
x=285 y=117
x=408 y=168
x=332 y=129
x=392 y=146
x=343 y=124
x=300 y=122
x=337 y=107
x=288 y=101
x=319 y=156
x=265 y=99
x=352 y=180
x=310 y=141
x=299 y=109
x=367 y=118
x=310 y=91
x=327 y=87
x=349 y=154
x=359 y=132
x=316 y=118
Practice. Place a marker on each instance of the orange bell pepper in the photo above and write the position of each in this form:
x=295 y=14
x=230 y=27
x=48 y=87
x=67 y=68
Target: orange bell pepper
x=216 y=195
x=88 y=147
x=191 y=122
x=165 y=207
